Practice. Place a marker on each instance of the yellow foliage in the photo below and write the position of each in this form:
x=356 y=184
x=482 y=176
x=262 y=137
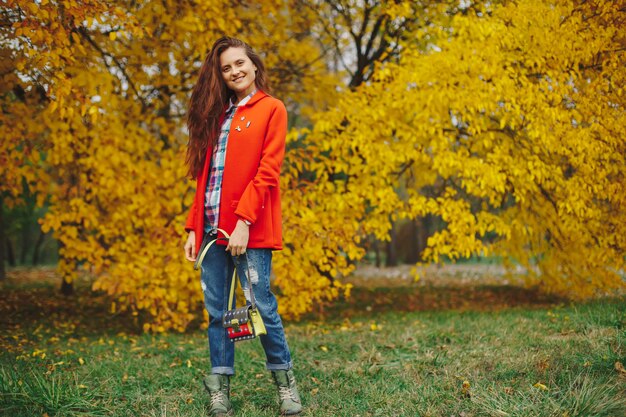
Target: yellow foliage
x=99 y=131
x=512 y=127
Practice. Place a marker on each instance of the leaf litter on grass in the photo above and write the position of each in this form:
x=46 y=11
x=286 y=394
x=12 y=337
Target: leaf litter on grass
x=418 y=356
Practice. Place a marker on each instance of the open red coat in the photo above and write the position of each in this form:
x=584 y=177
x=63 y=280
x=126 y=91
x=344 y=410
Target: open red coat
x=250 y=183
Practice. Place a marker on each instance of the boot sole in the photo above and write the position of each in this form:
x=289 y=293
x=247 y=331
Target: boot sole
x=230 y=412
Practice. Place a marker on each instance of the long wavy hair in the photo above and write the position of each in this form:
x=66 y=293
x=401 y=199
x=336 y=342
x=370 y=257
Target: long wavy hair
x=209 y=99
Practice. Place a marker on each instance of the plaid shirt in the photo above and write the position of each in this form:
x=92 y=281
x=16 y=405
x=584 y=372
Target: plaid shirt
x=214 y=184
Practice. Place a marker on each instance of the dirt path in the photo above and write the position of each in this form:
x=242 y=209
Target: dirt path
x=461 y=275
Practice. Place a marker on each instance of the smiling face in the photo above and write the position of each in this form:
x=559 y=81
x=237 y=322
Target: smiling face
x=238 y=71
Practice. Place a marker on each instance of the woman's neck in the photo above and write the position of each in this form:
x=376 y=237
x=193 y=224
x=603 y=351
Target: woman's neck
x=244 y=94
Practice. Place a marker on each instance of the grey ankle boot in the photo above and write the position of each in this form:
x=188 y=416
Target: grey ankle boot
x=218 y=387
x=290 y=403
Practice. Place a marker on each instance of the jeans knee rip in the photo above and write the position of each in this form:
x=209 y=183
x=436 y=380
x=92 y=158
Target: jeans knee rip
x=246 y=293
x=254 y=275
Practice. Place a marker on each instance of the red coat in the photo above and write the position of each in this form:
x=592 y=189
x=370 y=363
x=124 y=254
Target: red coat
x=250 y=183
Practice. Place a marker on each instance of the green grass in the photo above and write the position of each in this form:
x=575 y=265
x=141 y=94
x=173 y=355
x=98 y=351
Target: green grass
x=388 y=352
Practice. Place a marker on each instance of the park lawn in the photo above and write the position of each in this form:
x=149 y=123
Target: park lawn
x=385 y=352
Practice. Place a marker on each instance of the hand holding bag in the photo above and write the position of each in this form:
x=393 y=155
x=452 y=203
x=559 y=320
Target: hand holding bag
x=243 y=323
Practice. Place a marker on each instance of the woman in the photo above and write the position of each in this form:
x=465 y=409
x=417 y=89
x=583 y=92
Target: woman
x=236 y=147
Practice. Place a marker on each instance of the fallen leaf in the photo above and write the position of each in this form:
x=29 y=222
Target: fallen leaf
x=540 y=386
x=465 y=389
x=620 y=368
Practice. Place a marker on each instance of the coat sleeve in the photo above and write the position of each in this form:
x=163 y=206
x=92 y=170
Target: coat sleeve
x=268 y=175
x=191 y=217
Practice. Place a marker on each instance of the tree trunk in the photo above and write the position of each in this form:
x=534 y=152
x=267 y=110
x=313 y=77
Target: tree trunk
x=67 y=288
x=413 y=253
x=392 y=253
x=423 y=232
x=3 y=243
x=37 y=250
x=10 y=253
x=377 y=252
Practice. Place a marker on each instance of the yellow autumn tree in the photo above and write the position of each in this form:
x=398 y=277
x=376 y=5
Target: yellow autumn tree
x=115 y=81
x=508 y=125
x=32 y=53
x=324 y=231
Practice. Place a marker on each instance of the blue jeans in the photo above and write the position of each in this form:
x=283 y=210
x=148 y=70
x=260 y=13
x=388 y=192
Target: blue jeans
x=217 y=271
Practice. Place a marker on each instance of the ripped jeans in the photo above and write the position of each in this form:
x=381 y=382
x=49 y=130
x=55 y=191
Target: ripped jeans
x=217 y=272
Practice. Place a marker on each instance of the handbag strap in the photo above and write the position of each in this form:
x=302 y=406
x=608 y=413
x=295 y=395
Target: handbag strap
x=207 y=245
x=233 y=280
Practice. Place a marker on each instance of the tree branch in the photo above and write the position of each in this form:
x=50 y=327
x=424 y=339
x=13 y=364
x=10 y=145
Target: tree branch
x=83 y=32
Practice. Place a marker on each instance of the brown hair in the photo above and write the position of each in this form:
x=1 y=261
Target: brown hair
x=209 y=99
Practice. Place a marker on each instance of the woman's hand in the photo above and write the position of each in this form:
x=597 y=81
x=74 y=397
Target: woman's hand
x=190 y=247
x=238 y=241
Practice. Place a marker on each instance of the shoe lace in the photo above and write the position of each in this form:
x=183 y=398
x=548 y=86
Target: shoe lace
x=218 y=397
x=286 y=393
